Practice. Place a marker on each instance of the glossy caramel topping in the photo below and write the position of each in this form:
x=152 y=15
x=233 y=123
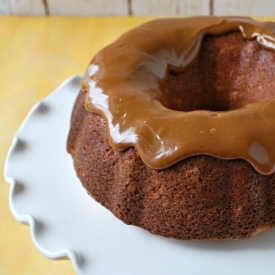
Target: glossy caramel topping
x=123 y=83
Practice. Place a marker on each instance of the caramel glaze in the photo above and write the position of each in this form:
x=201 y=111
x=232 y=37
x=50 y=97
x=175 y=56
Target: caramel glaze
x=123 y=83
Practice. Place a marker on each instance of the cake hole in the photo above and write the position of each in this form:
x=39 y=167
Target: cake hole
x=229 y=73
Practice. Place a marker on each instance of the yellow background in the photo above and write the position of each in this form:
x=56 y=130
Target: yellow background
x=36 y=55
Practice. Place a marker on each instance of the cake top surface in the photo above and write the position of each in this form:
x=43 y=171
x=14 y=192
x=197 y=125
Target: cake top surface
x=123 y=83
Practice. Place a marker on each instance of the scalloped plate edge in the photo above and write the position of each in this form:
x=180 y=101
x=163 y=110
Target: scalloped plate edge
x=28 y=219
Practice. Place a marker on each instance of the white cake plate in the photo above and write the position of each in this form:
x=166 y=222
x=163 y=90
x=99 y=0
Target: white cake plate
x=66 y=222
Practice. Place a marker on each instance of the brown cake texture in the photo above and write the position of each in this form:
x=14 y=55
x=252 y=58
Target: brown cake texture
x=200 y=197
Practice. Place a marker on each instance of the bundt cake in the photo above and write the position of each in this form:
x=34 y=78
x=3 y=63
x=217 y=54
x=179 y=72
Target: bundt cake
x=173 y=129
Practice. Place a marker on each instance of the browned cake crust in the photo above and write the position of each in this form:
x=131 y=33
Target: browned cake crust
x=201 y=197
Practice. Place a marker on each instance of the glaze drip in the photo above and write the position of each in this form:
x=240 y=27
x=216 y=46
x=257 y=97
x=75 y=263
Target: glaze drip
x=124 y=83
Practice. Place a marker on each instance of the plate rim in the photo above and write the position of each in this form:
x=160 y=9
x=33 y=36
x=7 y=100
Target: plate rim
x=29 y=219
